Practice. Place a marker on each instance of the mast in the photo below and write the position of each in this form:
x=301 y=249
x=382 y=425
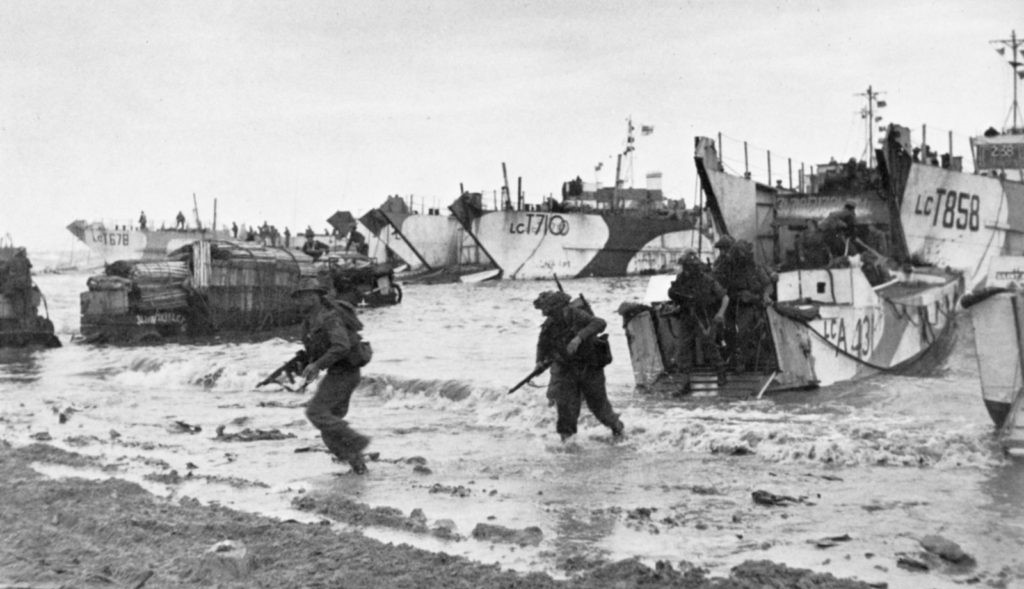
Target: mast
x=869 y=114
x=1016 y=63
x=626 y=153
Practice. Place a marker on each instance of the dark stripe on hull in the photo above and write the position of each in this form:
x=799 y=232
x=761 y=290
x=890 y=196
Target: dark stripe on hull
x=627 y=235
x=998 y=411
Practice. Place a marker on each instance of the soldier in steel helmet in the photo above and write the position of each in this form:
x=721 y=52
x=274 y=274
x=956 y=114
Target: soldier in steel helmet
x=749 y=287
x=330 y=334
x=567 y=342
x=702 y=302
x=722 y=246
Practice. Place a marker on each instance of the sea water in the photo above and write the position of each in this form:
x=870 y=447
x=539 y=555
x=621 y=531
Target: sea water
x=884 y=461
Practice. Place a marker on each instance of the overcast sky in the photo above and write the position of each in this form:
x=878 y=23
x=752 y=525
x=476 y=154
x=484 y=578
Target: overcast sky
x=289 y=111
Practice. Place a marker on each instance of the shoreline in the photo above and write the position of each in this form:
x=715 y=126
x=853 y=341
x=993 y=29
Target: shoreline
x=86 y=533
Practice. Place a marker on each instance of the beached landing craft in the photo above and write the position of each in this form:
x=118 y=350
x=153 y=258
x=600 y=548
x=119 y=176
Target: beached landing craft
x=218 y=288
x=828 y=325
x=114 y=241
x=613 y=231
x=832 y=320
x=433 y=247
x=20 y=323
x=950 y=217
x=997 y=314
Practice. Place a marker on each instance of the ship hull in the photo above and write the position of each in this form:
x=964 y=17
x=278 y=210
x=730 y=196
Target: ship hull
x=957 y=220
x=850 y=331
x=997 y=316
x=128 y=243
x=535 y=245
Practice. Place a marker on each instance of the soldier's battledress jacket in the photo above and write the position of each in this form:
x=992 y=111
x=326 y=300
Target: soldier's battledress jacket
x=557 y=331
x=744 y=281
x=570 y=375
x=698 y=291
x=329 y=334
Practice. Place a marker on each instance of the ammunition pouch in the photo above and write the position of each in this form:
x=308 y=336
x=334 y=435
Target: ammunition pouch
x=596 y=351
x=360 y=354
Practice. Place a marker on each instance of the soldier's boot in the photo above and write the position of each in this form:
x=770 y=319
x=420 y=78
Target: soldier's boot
x=618 y=430
x=355 y=453
x=358 y=464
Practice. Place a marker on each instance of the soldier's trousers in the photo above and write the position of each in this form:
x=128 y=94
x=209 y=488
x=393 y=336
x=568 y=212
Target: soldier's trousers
x=747 y=332
x=693 y=337
x=328 y=408
x=570 y=386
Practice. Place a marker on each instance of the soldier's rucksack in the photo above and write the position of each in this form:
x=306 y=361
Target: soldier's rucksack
x=596 y=351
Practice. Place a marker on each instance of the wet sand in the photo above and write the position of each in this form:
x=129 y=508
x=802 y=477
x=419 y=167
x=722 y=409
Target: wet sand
x=73 y=532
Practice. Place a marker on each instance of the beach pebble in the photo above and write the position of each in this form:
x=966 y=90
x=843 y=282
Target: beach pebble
x=227 y=560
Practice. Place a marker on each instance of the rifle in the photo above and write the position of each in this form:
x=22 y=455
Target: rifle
x=585 y=303
x=290 y=368
x=536 y=372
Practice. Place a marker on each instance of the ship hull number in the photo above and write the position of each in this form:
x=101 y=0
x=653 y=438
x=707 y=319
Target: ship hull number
x=950 y=209
x=540 y=224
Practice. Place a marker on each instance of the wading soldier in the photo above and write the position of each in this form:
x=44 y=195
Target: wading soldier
x=330 y=334
x=568 y=342
x=702 y=302
x=749 y=289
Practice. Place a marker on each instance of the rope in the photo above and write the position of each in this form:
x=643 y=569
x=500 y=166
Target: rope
x=988 y=245
x=857 y=358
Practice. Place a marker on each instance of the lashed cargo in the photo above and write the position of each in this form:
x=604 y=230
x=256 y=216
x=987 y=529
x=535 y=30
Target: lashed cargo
x=202 y=288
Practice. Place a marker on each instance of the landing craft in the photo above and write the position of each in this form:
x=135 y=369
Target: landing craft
x=433 y=248
x=590 y=231
x=832 y=320
x=987 y=212
x=220 y=289
x=997 y=315
x=20 y=322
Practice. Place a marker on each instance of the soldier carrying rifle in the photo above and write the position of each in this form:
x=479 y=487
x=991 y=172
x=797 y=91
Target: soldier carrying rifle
x=570 y=344
x=330 y=334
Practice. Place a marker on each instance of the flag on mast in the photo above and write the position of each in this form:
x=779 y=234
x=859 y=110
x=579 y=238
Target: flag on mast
x=646 y=129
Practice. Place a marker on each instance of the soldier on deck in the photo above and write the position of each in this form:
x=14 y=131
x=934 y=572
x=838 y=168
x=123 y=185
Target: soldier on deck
x=749 y=287
x=723 y=245
x=702 y=303
x=577 y=372
x=839 y=228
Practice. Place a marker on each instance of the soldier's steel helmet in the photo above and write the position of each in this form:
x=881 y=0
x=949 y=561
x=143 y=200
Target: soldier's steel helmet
x=309 y=284
x=551 y=299
x=689 y=255
x=850 y=204
x=724 y=242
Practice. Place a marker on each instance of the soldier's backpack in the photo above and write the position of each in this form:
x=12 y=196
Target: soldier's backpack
x=596 y=350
